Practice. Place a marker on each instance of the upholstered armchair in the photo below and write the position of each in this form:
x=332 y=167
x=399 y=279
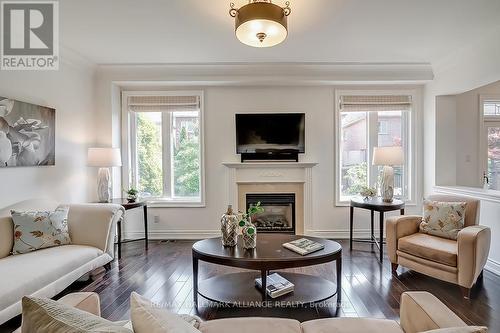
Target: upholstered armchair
x=458 y=261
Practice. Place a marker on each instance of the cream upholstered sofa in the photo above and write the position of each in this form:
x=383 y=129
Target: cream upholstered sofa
x=460 y=262
x=420 y=312
x=46 y=272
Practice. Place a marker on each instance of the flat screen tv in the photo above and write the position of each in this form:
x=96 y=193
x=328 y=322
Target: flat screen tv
x=270 y=133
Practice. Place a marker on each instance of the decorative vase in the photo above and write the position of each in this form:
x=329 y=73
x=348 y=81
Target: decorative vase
x=132 y=199
x=229 y=228
x=249 y=236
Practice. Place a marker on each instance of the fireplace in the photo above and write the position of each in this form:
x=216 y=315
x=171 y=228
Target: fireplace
x=279 y=212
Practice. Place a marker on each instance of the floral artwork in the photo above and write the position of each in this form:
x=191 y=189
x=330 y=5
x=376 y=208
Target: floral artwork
x=38 y=230
x=443 y=219
x=27 y=134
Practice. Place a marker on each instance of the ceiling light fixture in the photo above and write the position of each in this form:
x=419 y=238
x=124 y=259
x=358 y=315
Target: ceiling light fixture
x=260 y=23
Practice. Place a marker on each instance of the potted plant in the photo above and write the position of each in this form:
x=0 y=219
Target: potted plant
x=249 y=231
x=132 y=194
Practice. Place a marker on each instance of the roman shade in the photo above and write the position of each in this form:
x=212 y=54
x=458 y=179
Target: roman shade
x=163 y=103
x=368 y=103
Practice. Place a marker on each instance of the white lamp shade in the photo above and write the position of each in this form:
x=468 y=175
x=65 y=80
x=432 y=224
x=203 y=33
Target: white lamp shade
x=104 y=157
x=388 y=156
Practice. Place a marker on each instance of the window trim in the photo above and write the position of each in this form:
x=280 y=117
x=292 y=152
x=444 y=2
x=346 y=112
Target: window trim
x=413 y=147
x=483 y=141
x=128 y=143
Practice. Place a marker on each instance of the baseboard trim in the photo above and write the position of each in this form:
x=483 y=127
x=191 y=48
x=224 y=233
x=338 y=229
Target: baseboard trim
x=342 y=234
x=493 y=266
x=173 y=234
x=201 y=234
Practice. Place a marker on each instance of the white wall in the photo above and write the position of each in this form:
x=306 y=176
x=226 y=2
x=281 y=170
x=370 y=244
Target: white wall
x=475 y=66
x=468 y=134
x=70 y=92
x=221 y=104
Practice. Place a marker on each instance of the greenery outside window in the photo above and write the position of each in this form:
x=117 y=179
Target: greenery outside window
x=368 y=121
x=165 y=146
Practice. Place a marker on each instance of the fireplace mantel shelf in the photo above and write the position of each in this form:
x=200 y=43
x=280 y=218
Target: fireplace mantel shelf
x=249 y=165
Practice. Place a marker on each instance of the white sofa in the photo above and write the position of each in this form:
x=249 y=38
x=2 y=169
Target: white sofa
x=47 y=272
x=420 y=312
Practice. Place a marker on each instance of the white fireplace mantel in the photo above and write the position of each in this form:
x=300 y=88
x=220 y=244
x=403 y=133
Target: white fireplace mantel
x=272 y=173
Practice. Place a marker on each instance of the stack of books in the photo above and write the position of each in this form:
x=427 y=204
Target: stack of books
x=304 y=246
x=276 y=285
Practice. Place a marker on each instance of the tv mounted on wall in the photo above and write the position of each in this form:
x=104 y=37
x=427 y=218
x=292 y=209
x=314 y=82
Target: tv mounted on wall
x=270 y=136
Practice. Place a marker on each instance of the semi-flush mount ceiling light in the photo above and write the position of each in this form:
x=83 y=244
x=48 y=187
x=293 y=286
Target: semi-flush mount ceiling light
x=260 y=23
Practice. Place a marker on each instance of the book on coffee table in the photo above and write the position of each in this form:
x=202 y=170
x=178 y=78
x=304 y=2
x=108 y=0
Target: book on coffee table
x=276 y=285
x=304 y=246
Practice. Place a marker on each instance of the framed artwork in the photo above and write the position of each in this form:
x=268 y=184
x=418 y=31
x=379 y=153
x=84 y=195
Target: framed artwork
x=27 y=134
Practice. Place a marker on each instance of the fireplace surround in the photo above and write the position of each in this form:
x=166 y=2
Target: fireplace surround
x=273 y=177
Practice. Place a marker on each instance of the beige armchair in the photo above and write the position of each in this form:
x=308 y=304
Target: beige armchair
x=460 y=262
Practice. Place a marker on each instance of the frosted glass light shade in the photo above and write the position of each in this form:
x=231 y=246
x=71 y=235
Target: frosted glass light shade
x=388 y=156
x=248 y=33
x=261 y=23
x=104 y=157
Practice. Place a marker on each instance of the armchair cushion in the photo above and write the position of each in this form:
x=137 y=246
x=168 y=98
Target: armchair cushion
x=443 y=219
x=399 y=227
x=430 y=247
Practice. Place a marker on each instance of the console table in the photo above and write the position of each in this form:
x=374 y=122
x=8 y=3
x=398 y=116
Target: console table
x=373 y=204
x=238 y=289
x=127 y=206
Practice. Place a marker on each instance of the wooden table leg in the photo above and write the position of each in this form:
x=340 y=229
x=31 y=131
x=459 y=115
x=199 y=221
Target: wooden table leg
x=195 y=282
x=381 y=240
x=119 y=231
x=146 y=226
x=263 y=276
x=372 y=223
x=339 y=279
x=351 y=225
x=402 y=211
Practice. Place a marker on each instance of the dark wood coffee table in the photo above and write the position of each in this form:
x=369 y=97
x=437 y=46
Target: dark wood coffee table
x=238 y=289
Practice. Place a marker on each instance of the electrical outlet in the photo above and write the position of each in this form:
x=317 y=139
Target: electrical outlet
x=156 y=219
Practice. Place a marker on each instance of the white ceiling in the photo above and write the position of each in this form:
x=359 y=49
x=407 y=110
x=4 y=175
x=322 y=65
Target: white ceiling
x=201 y=31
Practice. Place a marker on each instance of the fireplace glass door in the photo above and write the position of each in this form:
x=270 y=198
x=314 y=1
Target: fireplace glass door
x=279 y=212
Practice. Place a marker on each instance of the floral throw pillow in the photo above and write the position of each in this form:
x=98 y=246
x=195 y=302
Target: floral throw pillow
x=38 y=230
x=443 y=219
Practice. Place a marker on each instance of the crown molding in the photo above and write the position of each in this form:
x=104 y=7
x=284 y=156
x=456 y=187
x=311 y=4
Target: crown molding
x=75 y=60
x=267 y=73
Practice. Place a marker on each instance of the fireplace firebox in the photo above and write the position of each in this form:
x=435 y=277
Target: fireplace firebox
x=279 y=212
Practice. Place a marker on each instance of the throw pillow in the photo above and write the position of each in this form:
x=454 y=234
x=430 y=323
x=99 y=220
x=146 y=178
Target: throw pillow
x=463 y=329
x=38 y=230
x=148 y=317
x=43 y=315
x=443 y=219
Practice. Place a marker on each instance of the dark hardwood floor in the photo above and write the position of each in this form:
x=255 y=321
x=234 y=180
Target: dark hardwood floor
x=164 y=274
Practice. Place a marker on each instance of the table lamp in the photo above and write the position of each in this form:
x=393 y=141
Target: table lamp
x=104 y=158
x=387 y=157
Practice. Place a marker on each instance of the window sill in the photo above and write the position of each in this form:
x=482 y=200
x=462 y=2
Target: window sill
x=474 y=192
x=159 y=203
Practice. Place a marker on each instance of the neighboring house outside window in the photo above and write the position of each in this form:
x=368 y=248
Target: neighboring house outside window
x=362 y=127
x=490 y=140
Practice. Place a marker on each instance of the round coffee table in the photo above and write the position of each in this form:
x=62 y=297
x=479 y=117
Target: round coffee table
x=238 y=289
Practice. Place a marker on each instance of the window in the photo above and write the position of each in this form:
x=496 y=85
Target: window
x=165 y=146
x=383 y=127
x=490 y=107
x=365 y=122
